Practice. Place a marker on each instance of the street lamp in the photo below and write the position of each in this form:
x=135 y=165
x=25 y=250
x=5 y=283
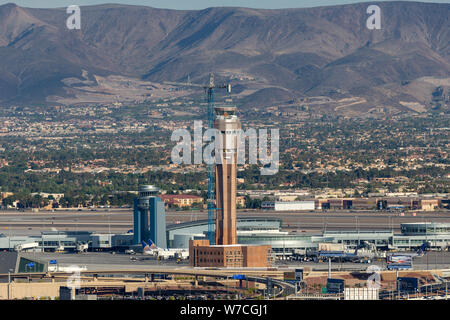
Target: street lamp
x=9 y=282
x=9 y=238
x=329 y=267
x=357 y=229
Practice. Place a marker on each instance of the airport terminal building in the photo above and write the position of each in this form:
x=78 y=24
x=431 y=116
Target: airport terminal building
x=250 y=231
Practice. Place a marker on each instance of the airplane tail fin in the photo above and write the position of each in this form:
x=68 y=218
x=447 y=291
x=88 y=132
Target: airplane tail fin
x=422 y=249
x=152 y=244
x=144 y=245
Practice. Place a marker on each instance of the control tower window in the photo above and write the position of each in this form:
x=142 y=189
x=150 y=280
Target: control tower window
x=225 y=113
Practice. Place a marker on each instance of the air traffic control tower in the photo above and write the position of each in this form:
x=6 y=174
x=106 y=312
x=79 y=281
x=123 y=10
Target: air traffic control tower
x=226 y=175
x=149 y=217
x=226 y=252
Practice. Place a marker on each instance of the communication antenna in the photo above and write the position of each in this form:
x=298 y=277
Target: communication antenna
x=209 y=89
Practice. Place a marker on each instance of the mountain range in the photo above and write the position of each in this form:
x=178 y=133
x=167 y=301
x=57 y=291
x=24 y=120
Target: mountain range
x=282 y=57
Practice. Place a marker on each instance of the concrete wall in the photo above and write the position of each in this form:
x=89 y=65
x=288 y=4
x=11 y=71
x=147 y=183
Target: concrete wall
x=48 y=289
x=29 y=290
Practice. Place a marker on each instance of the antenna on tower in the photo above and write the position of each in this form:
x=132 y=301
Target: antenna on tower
x=209 y=92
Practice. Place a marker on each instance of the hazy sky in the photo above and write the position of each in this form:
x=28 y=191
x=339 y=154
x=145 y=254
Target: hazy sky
x=195 y=4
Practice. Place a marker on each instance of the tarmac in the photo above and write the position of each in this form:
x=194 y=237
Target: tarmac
x=119 y=261
x=120 y=221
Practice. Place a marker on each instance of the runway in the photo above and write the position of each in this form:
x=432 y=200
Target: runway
x=121 y=220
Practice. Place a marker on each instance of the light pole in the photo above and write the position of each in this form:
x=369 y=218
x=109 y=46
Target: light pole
x=392 y=224
x=9 y=282
x=226 y=283
x=357 y=229
x=446 y=290
x=9 y=238
x=442 y=254
x=329 y=268
x=435 y=261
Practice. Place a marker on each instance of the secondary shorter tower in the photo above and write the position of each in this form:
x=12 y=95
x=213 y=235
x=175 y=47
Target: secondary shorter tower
x=149 y=217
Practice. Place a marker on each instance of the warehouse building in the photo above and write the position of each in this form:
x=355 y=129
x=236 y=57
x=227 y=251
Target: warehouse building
x=381 y=203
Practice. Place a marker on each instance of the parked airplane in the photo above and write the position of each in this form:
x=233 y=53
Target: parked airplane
x=151 y=248
x=364 y=253
x=400 y=259
x=406 y=257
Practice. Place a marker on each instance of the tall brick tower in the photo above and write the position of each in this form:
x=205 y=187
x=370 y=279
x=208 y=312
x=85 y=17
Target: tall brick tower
x=226 y=252
x=229 y=125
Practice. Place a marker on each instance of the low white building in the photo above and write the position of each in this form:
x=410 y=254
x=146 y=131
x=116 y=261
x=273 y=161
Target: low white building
x=361 y=294
x=289 y=205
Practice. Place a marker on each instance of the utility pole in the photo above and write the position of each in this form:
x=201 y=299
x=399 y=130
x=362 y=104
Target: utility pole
x=357 y=229
x=446 y=290
x=329 y=268
x=396 y=282
x=9 y=283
